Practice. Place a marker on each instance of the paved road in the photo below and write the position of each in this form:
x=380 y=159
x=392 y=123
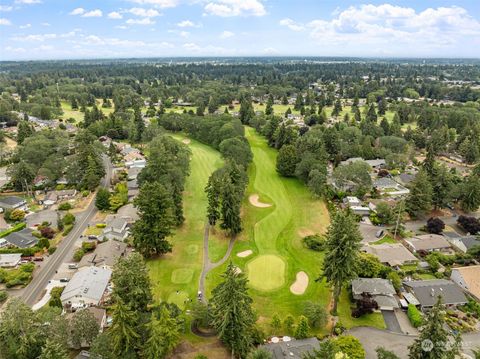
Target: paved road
x=451 y=221
x=33 y=291
x=207 y=264
x=371 y=338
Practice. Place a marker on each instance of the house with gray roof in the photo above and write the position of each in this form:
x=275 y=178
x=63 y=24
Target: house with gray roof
x=10 y=260
x=389 y=187
x=118 y=228
x=87 y=287
x=295 y=349
x=13 y=202
x=462 y=243
x=104 y=255
x=428 y=291
x=381 y=290
x=22 y=239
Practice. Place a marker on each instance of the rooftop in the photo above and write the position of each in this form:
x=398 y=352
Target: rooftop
x=427 y=292
x=428 y=242
x=471 y=278
x=22 y=239
x=373 y=286
x=11 y=200
x=294 y=349
x=106 y=254
x=394 y=254
x=87 y=283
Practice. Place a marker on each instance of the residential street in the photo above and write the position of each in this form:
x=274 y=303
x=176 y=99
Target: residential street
x=31 y=294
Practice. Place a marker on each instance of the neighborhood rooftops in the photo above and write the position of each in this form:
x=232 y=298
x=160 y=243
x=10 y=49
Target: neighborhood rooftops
x=106 y=254
x=22 y=239
x=377 y=163
x=393 y=254
x=87 y=286
x=381 y=290
x=427 y=242
x=427 y=292
x=295 y=349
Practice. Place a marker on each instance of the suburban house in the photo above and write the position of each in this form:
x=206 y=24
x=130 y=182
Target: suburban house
x=462 y=243
x=291 y=348
x=105 y=255
x=468 y=278
x=86 y=288
x=132 y=173
x=392 y=254
x=117 y=228
x=428 y=243
x=10 y=260
x=381 y=290
x=13 y=202
x=405 y=178
x=22 y=239
x=375 y=164
x=389 y=187
x=427 y=291
x=139 y=163
x=100 y=315
x=355 y=206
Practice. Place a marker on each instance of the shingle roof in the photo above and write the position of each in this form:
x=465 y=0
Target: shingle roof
x=373 y=286
x=428 y=242
x=89 y=283
x=394 y=254
x=106 y=253
x=11 y=200
x=427 y=291
x=294 y=349
x=471 y=277
x=22 y=239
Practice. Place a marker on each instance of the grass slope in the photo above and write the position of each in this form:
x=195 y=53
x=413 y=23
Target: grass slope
x=180 y=270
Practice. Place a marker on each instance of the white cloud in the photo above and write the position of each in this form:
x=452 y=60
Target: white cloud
x=144 y=21
x=15 y=49
x=184 y=33
x=226 y=34
x=93 y=13
x=45 y=24
x=270 y=51
x=292 y=25
x=190 y=46
x=185 y=23
x=5 y=22
x=77 y=11
x=158 y=3
x=6 y=8
x=115 y=15
x=28 y=2
x=227 y=8
x=44 y=37
x=26 y=26
x=122 y=27
x=137 y=11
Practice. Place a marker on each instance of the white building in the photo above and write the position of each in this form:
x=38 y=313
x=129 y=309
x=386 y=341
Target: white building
x=87 y=287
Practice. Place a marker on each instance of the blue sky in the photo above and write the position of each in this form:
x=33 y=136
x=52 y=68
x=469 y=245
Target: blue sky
x=75 y=29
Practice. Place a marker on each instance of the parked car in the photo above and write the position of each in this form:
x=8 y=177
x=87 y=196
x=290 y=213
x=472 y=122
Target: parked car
x=64 y=280
x=72 y=266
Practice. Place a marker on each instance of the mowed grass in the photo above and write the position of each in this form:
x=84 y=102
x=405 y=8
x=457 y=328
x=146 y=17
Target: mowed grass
x=77 y=115
x=274 y=233
x=180 y=270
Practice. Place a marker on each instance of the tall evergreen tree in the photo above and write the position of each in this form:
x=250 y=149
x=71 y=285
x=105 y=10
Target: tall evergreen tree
x=213 y=190
x=419 y=199
x=342 y=250
x=269 y=107
x=303 y=328
x=163 y=335
x=53 y=350
x=435 y=342
x=246 y=112
x=232 y=313
x=139 y=124
x=124 y=331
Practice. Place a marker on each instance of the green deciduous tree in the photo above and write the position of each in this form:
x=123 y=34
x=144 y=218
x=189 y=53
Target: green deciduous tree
x=287 y=160
x=232 y=313
x=84 y=328
x=102 y=199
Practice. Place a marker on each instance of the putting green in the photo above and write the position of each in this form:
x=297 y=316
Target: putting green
x=181 y=276
x=266 y=272
x=178 y=298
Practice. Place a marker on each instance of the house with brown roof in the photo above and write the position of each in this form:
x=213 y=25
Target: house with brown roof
x=105 y=255
x=468 y=278
x=392 y=254
x=428 y=243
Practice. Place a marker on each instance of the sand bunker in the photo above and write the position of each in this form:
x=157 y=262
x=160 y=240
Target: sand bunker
x=304 y=232
x=300 y=285
x=244 y=253
x=255 y=202
x=186 y=141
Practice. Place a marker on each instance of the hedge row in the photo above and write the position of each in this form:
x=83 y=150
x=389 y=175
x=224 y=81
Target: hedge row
x=15 y=228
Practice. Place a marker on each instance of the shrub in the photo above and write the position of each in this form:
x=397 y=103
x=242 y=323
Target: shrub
x=68 y=219
x=88 y=246
x=350 y=346
x=314 y=242
x=3 y=296
x=435 y=225
x=43 y=243
x=414 y=315
x=85 y=193
x=15 y=215
x=469 y=224
x=15 y=228
x=55 y=294
x=78 y=255
x=65 y=206
x=47 y=232
x=52 y=249
x=67 y=229
x=101 y=225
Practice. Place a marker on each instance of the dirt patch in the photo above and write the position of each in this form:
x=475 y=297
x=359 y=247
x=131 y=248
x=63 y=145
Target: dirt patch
x=186 y=141
x=254 y=201
x=300 y=285
x=244 y=253
x=304 y=232
x=211 y=347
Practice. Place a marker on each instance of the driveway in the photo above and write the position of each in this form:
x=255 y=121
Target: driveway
x=371 y=338
x=391 y=321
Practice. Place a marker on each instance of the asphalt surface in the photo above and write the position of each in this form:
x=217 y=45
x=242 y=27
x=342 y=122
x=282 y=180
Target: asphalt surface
x=33 y=291
x=391 y=321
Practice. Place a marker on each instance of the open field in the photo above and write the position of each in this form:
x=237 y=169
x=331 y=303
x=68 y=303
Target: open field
x=77 y=115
